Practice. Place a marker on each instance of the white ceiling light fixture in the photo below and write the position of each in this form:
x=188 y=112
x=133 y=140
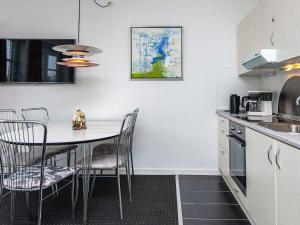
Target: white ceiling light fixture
x=77 y=51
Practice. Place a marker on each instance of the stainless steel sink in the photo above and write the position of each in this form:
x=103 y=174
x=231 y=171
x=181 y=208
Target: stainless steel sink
x=282 y=126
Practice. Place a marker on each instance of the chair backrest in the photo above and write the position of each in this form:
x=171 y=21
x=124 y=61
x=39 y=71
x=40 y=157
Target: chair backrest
x=124 y=137
x=38 y=114
x=8 y=114
x=135 y=115
x=18 y=151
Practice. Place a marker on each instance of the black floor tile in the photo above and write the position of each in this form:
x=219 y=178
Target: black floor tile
x=215 y=222
x=212 y=211
x=191 y=178
x=204 y=186
x=207 y=197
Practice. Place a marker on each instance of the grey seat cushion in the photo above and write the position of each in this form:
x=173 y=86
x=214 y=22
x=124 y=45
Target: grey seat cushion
x=102 y=161
x=106 y=148
x=30 y=178
x=110 y=148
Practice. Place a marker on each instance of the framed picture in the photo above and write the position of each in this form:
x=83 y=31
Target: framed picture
x=156 y=53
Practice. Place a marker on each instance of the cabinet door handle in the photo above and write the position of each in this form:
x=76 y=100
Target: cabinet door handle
x=272 y=39
x=269 y=150
x=277 y=158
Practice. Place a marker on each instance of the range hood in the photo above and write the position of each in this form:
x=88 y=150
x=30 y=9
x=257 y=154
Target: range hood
x=263 y=62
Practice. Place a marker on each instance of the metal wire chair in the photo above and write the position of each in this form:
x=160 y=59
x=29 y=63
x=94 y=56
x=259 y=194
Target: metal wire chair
x=135 y=115
x=6 y=114
x=17 y=149
x=41 y=114
x=114 y=157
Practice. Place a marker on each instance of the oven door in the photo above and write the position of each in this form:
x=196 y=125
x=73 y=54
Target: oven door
x=237 y=164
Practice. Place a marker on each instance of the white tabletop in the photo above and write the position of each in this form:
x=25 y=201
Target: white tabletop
x=61 y=133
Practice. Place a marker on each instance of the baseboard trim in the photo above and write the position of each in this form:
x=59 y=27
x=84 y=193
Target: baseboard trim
x=157 y=171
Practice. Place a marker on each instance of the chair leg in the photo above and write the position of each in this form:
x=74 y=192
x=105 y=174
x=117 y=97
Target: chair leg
x=40 y=208
x=93 y=185
x=73 y=195
x=119 y=193
x=76 y=189
x=132 y=166
x=28 y=205
x=1 y=194
x=69 y=158
x=12 y=206
x=128 y=181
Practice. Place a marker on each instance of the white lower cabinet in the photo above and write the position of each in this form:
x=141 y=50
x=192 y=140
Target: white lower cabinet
x=223 y=143
x=273 y=181
x=288 y=185
x=260 y=178
x=224 y=161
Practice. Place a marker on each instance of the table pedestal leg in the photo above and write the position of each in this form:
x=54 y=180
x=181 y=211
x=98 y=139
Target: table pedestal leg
x=87 y=159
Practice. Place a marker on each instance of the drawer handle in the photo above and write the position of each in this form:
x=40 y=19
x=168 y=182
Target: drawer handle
x=268 y=153
x=223 y=131
x=277 y=158
x=223 y=153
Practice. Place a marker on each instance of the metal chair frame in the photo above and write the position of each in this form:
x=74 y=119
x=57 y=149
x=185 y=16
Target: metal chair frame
x=123 y=139
x=5 y=114
x=43 y=117
x=22 y=140
x=135 y=113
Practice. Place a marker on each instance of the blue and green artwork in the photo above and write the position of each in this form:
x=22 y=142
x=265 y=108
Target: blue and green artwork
x=156 y=52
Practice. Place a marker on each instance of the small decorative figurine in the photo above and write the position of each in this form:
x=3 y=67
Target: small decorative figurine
x=79 y=122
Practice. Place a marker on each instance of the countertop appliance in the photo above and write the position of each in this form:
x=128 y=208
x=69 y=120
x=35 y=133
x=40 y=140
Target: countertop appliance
x=258 y=103
x=235 y=103
x=237 y=155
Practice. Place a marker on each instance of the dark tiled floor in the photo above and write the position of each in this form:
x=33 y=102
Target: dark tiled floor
x=206 y=200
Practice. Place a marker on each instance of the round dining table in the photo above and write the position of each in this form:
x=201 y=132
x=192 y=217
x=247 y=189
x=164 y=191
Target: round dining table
x=61 y=133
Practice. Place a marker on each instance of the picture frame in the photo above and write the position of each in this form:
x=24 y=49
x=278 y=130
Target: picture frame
x=156 y=53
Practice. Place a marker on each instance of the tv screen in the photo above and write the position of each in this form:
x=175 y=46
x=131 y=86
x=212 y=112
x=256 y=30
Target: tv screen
x=33 y=61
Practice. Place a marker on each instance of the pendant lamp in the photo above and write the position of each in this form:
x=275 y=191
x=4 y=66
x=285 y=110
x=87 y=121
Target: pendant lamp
x=77 y=51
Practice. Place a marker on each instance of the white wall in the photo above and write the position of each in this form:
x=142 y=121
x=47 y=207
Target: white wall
x=177 y=124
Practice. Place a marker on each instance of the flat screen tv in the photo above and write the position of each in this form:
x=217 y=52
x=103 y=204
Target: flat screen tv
x=33 y=61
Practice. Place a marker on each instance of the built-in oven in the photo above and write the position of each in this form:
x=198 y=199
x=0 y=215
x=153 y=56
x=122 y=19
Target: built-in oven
x=237 y=155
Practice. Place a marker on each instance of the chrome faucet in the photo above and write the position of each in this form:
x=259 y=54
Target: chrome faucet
x=298 y=101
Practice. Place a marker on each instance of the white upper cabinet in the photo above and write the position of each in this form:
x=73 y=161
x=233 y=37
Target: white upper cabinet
x=245 y=42
x=288 y=183
x=272 y=24
x=287 y=28
x=265 y=25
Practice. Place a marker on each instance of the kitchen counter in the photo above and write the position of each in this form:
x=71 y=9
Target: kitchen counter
x=288 y=138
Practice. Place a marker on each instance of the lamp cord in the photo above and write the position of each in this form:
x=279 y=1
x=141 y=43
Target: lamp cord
x=79 y=21
x=79 y=15
x=103 y=6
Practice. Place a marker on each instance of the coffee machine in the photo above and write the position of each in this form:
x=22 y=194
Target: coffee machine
x=258 y=103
